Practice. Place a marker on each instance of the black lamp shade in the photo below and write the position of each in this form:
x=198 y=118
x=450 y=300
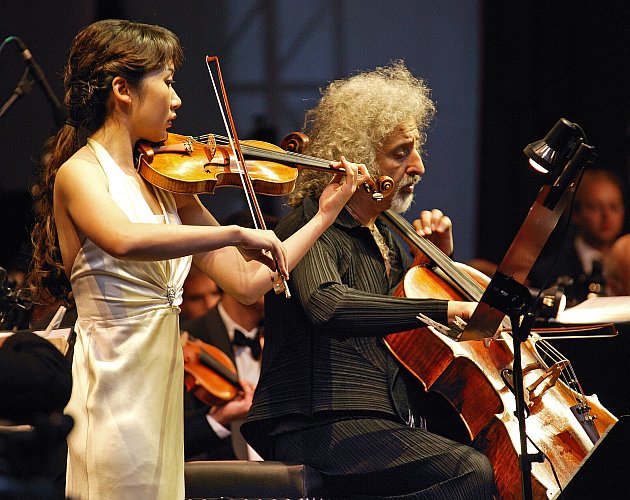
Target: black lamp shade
x=552 y=153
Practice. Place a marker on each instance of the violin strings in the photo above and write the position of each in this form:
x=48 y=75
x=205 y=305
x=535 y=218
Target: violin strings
x=276 y=155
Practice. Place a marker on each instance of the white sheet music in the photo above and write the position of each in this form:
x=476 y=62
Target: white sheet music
x=58 y=337
x=598 y=310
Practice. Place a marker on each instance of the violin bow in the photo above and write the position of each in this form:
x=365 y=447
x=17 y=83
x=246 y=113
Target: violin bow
x=279 y=282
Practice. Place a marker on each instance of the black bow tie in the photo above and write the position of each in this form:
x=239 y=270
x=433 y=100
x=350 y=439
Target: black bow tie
x=241 y=340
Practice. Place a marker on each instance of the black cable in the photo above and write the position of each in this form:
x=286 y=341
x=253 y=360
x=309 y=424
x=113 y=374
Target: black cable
x=545 y=457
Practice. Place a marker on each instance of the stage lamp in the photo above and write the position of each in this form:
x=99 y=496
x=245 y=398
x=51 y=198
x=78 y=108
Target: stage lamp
x=550 y=155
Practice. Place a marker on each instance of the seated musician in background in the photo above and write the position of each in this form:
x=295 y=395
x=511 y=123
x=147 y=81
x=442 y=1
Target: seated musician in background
x=200 y=294
x=617 y=265
x=213 y=433
x=598 y=220
x=331 y=395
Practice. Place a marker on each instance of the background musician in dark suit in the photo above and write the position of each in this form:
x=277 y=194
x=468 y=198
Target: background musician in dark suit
x=236 y=329
x=577 y=263
x=212 y=433
x=330 y=394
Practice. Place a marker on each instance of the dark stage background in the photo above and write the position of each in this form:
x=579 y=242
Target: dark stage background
x=275 y=55
x=502 y=74
x=542 y=61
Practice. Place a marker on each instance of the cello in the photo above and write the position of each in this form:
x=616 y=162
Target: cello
x=474 y=381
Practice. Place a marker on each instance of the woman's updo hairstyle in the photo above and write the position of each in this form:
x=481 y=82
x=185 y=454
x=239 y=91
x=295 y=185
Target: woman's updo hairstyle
x=107 y=49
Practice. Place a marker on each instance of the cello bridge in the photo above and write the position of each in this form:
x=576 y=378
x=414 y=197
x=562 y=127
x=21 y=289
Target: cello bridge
x=546 y=381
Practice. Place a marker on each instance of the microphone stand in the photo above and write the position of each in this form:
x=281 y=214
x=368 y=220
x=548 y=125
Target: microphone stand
x=23 y=87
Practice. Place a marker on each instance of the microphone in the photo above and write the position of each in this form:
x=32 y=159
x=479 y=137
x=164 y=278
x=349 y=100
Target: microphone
x=59 y=111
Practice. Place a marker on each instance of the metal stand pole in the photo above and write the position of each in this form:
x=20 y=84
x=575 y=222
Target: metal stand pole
x=23 y=87
x=520 y=333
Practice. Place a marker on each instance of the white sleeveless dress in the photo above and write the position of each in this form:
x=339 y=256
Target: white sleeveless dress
x=127 y=440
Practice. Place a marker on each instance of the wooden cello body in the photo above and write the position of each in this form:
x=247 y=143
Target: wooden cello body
x=473 y=381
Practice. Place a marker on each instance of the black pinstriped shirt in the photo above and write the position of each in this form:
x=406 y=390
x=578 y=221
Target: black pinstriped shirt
x=324 y=353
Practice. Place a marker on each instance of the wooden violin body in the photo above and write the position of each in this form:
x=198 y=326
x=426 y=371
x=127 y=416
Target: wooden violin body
x=473 y=378
x=209 y=373
x=182 y=164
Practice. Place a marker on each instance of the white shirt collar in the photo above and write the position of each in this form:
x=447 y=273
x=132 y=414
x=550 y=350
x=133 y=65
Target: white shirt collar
x=231 y=325
x=587 y=254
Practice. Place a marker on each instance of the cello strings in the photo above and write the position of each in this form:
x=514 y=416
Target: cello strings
x=468 y=285
x=567 y=374
x=554 y=356
x=573 y=383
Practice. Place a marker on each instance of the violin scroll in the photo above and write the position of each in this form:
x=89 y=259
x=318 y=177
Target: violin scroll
x=295 y=142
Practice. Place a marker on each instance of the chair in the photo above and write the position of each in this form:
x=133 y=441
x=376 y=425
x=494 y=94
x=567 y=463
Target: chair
x=249 y=479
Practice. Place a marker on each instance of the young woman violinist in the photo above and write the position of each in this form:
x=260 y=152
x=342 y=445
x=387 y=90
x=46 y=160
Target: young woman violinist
x=125 y=248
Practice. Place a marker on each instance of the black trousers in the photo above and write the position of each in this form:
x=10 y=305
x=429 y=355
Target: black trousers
x=378 y=458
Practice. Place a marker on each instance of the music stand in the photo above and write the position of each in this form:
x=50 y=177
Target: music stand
x=507 y=295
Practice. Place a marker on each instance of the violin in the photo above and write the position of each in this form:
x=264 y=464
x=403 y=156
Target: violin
x=185 y=164
x=209 y=373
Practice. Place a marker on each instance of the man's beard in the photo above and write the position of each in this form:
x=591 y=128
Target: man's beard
x=402 y=201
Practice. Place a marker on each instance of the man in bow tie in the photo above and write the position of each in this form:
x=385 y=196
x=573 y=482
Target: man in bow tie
x=213 y=433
